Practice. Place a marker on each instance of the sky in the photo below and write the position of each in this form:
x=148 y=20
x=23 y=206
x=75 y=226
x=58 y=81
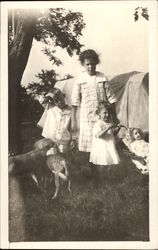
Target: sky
x=122 y=43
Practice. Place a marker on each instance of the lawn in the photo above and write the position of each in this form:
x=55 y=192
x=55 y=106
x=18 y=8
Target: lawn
x=114 y=207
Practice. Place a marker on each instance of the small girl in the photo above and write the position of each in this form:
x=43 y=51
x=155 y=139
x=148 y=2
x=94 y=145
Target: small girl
x=103 y=150
x=141 y=148
x=56 y=120
x=90 y=89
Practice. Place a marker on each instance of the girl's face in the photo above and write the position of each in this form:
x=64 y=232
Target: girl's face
x=90 y=66
x=137 y=135
x=104 y=115
x=59 y=100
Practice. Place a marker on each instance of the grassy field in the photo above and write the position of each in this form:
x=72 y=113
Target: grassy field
x=113 y=208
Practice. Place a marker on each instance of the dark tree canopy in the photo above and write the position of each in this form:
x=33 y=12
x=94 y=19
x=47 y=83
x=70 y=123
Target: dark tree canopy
x=53 y=27
x=46 y=81
x=60 y=27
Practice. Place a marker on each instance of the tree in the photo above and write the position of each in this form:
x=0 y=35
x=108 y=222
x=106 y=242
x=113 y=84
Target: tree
x=56 y=27
x=140 y=11
x=46 y=80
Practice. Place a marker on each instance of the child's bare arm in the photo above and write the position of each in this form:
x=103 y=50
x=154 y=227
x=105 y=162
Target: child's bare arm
x=115 y=128
x=74 y=119
x=103 y=131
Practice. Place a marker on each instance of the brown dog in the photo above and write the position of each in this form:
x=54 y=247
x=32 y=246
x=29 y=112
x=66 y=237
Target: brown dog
x=59 y=166
x=33 y=162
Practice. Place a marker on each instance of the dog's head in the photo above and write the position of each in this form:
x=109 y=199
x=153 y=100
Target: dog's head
x=43 y=144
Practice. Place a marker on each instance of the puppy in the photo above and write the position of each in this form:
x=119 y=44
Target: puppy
x=32 y=163
x=59 y=166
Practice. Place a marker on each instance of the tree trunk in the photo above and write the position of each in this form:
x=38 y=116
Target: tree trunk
x=17 y=61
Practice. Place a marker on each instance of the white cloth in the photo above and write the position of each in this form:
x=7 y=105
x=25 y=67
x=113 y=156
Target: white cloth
x=141 y=148
x=103 y=151
x=56 y=125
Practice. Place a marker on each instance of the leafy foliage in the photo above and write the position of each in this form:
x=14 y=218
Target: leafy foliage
x=141 y=11
x=60 y=27
x=53 y=27
x=50 y=53
x=47 y=80
x=30 y=109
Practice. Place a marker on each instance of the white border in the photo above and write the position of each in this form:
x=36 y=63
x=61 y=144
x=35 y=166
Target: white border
x=153 y=124
x=4 y=131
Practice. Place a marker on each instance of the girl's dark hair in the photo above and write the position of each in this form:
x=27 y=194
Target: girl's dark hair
x=140 y=131
x=89 y=54
x=103 y=105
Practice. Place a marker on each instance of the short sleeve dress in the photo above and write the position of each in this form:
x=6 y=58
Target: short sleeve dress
x=87 y=92
x=103 y=150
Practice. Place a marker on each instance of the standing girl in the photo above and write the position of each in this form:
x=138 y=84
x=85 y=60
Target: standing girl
x=103 y=150
x=90 y=88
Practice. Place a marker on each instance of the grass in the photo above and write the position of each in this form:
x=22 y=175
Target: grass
x=113 y=208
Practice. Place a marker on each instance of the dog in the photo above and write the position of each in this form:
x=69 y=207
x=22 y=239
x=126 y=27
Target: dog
x=32 y=163
x=59 y=166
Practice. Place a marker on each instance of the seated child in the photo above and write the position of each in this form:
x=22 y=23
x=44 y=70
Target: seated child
x=56 y=120
x=103 y=150
x=141 y=148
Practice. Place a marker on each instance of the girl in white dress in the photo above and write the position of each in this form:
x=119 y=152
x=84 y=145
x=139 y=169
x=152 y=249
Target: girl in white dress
x=56 y=119
x=103 y=150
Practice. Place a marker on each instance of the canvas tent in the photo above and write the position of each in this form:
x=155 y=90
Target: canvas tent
x=131 y=90
x=132 y=107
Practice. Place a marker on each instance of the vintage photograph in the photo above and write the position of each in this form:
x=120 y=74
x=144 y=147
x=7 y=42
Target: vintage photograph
x=78 y=121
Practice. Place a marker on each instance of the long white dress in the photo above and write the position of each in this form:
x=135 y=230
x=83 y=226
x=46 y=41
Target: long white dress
x=103 y=151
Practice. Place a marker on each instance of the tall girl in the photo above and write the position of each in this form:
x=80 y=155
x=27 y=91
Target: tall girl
x=90 y=88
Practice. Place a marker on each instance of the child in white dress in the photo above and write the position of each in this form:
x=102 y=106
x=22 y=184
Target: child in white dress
x=56 y=120
x=103 y=150
x=141 y=148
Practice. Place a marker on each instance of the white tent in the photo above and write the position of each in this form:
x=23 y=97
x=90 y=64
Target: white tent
x=132 y=107
x=131 y=90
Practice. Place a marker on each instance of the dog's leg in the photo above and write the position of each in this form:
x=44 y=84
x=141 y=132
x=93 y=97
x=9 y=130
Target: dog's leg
x=36 y=181
x=33 y=176
x=63 y=176
x=56 y=185
x=69 y=185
